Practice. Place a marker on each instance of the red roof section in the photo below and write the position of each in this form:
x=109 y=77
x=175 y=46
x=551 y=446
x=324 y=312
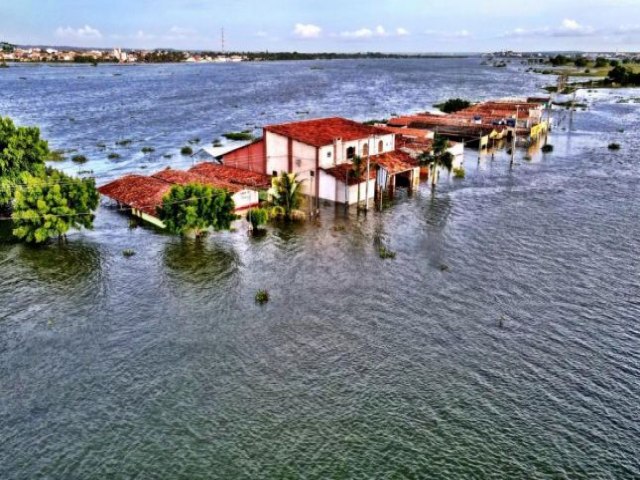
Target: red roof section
x=137 y=191
x=232 y=175
x=323 y=131
x=180 y=177
x=345 y=170
x=395 y=162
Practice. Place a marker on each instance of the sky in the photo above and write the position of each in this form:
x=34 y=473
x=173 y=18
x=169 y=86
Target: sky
x=327 y=25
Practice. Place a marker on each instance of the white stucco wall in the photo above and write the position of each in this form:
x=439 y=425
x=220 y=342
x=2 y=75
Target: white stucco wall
x=277 y=153
x=328 y=187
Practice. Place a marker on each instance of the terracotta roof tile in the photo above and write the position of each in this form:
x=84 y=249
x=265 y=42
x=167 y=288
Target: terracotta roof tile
x=180 y=177
x=137 y=191
x=232 y=175
x=323 y=131
x=345 y=170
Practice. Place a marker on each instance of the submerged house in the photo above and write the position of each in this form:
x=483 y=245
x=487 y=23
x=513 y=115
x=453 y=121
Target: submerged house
x=321 y=152
x=144 y=194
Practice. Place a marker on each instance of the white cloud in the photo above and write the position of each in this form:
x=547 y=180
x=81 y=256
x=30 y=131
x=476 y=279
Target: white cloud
x=569 y=24
x=379 y=31
x=449 y=35
x=86 y=32
x=141 y=35
x=568 y=28
x=308 y=30
x=402 y=32
x=361 y=33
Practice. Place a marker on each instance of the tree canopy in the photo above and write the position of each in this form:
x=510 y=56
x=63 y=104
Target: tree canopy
x=454 y=105
x=21 y=150
x=195 y=208
x=48 y=205
x=285 y=192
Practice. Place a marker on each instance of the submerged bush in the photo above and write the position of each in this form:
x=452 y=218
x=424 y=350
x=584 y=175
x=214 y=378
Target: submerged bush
x=548 y=148
x=148 y=149
x=244 y=135
x=385 y=253
x=257 y=217
x=56 y=156
x=79 y=159
x=458 y=172
x=128 y=253
x=614 y=146
x=262 y=296
x=186 y=150
x=113 y=156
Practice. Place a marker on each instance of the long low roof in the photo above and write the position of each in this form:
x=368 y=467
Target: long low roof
x=232 y=175
x=137 y=191
x=324 y=131
x=180 y=177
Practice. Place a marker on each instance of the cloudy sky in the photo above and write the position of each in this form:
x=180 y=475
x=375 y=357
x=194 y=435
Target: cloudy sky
x=327 y=25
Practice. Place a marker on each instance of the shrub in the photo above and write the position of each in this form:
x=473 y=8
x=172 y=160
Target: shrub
x=186 y=150
x=548 y=148
x=56 y=156
x=614 y=146
x=128 y=252
x=257 y=217
x=458 y=172
x=454 y=105
x=385 y=253
x=244 y=135
x=262 y=296
x=80 y=159
x=148 y=149
x=113 y=156
x=124 y=143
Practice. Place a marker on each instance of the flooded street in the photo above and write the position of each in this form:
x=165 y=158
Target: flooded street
x=502 y=339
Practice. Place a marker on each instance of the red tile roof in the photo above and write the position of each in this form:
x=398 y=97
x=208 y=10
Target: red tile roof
x=180 y=177
x=395 y=162
x=235 y=176
x=324 y=131
x=345 y=170
x=409 y=132
x=137 y=191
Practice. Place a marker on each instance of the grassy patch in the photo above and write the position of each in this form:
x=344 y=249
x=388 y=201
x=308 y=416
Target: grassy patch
x=245 y=135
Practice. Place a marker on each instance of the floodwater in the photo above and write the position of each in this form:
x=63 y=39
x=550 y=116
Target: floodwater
x=501 y=342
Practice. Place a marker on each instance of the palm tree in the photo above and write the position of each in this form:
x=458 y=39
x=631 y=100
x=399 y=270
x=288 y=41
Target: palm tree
x=285 y=191
x=357 y=173
x=439 y=157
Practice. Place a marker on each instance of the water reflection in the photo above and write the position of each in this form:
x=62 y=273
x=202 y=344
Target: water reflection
x=199 y=262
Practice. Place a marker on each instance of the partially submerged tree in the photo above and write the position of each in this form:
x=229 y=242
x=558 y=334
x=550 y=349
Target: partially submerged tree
x=257 y=217
x=357 y=172
x=49 y=205
x=21 y=150
x=439 y=157
x=454 y=105
x=285 y=193
x=196 y=208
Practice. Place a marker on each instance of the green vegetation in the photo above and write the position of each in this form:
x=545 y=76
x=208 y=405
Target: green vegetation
x=124 y=143
x=3 y=64
x=262 y=296
x=48 y=205
x=374 y=121
x=195 y=208
x=257 y=217
x=148 y=150
x=56 y=156
x=195 y=140
x=113 y=156
x=548 y=148
x=357 y=171
x=128 y=252
x=601 y=62
x=245 y=135
x=440 y=157
x=459 y=173
x=186 y=150
x=385 y=253
x=453 y=105
x=559 y=60
x=285 y=193
x=164 y=56
x=624 y=76
x=79 y=159
x=614 y=146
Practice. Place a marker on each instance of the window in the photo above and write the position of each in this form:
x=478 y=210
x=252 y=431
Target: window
x=365 y=150
x=274 y=173
x=351 y=152
x=380 y=146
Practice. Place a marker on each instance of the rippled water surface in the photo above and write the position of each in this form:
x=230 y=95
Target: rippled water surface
x=519 y=360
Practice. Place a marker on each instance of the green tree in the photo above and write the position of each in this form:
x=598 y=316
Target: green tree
x=285 y=192
x=601 y=62
x=50 y=204
x=581 y=62
x=454 y=105
x=21 y=150
x=195 y=208
x=257 y=217
x=438 y=157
